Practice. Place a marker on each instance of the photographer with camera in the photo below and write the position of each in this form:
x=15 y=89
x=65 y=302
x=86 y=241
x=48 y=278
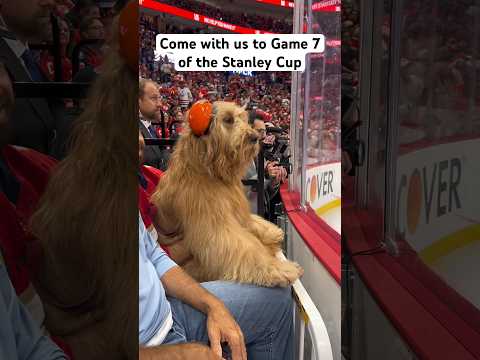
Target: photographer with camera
x=275 y=174
x=273 y=167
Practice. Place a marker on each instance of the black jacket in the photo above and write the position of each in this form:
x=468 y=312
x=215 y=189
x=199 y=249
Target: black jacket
x=33 y=124
x=153 y=155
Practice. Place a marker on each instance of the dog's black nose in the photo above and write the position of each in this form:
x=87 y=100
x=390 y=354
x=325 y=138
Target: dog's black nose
x=253 y=138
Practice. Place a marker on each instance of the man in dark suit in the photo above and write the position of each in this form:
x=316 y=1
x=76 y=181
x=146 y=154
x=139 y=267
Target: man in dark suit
x=22 y=21
x=149 y=105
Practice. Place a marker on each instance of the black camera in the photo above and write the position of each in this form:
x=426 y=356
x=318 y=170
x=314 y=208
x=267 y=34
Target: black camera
x=279 y=150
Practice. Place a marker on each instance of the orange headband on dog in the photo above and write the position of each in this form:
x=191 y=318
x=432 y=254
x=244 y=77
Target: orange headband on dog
x=199 y=117
x=128 y=37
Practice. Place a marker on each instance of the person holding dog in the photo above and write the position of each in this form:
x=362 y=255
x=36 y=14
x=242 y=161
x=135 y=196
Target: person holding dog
x=179 y=317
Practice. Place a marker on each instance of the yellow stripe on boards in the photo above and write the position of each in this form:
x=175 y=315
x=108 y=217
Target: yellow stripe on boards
x=328 y=206
x=450 y=243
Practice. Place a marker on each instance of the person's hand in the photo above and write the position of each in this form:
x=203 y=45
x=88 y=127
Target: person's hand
x=274 y=171
x=269 y=166
x=200 y=352
x=269 y=139
x=276 y=174
x=222 y=327
x=284 y=174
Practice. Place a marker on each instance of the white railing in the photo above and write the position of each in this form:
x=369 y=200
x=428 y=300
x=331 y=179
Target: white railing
x=307 y=316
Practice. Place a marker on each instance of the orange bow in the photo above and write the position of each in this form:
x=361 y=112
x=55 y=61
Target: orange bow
x=199 y=117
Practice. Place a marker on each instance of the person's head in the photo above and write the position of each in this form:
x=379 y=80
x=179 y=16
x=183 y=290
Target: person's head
x=64 y=28
x=149 y=99
x=107 y=24
x=29 y=20
x=6 y=104
x=92 y=29
x=259 y=126
x=179 y=115
x=88 y=9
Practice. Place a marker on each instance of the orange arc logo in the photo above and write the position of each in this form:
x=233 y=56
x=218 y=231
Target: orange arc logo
x=313 y=189
x=414 y=202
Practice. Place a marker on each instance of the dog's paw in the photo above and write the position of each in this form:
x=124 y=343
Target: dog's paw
x=285 y=273
x=273 y=236
x=276 y=234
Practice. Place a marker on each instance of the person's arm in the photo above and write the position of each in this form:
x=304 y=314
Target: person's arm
x=220 y=324
x=19 y=334
x=177 y=352
x=179 y=284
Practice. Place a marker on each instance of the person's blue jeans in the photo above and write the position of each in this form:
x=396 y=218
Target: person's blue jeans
x=265 y=316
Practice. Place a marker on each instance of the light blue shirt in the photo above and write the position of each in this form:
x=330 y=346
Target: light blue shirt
x=20 y=336
x=153 y=263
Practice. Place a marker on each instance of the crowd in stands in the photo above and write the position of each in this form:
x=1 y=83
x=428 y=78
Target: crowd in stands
x=323 y=139
x=84 y=30
x=442 y=76
x=327 y=23
x=350 y=35
x=269 y=92
x=271 y=95
x=260 y=22
x=148 y=29
x=439 y=73
x=325 y=108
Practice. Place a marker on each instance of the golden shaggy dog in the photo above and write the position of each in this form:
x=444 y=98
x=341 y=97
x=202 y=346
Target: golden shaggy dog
x=201 y=201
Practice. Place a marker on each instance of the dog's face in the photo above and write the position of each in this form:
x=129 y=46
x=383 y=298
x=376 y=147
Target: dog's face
x=231 y=133
x=230 y=143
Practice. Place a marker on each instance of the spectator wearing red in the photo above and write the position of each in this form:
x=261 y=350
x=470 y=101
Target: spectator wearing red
x=46 y=58
x=148 y=181
x=83 y=9
x=91 y=29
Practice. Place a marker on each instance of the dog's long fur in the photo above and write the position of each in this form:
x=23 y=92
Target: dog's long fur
x=201 y=200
